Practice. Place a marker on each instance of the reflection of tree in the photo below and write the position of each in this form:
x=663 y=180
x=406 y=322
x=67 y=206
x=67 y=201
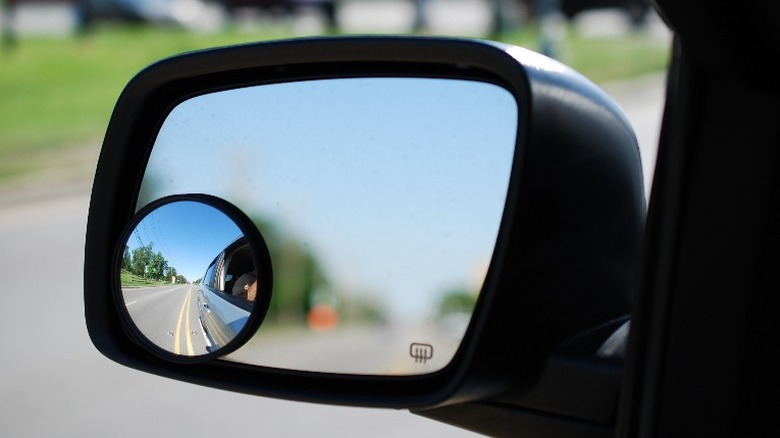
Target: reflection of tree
x=126 y=258
x=457 y=301
x=297 y=274
x=364 y=308
x=301 y=283
x=144 y=262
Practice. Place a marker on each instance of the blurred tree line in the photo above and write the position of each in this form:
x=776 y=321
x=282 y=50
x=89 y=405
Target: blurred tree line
x=301 y=283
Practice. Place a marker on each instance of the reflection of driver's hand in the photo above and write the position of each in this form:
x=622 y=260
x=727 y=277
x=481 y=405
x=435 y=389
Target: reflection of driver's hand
x=251 y=291
x=246 y=287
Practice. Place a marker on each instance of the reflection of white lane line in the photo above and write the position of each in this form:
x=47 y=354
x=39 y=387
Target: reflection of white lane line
x=177 y=335
x=205 y=338
x=130 y=303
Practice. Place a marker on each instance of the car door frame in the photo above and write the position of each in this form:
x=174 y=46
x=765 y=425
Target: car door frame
x=697 y=362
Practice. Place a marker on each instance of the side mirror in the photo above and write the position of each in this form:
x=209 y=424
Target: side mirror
x=446 y=221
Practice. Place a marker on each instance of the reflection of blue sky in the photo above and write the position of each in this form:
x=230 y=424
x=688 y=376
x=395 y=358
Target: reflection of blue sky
x=397 y=184
x=188 y=234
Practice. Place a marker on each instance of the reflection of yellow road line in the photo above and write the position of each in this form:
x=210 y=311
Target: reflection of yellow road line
x=190 y=350
x=187 y=333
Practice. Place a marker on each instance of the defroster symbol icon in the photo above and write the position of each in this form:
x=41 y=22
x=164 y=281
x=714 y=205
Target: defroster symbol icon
x=421 y=352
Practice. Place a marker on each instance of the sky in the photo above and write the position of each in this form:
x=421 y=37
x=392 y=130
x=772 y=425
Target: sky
x=396 y=184
x=189 y=234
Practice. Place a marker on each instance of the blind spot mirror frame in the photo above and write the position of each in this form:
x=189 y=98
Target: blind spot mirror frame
x=175 y=269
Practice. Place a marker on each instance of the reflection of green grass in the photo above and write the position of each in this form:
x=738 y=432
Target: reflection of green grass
x=57 y=94
x=127 y=279
x=605 y=59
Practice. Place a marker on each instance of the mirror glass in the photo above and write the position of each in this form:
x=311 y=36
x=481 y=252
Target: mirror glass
x=379 y=198
x=188 y=278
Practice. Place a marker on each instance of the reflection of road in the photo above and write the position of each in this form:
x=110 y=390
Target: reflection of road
x=168 y=316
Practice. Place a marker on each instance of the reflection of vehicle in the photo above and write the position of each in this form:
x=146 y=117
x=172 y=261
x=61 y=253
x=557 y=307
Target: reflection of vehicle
x=223 y=315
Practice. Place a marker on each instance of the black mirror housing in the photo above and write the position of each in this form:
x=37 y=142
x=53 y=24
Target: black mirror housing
x=567 y=247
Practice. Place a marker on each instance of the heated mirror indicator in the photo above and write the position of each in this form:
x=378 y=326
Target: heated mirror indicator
x=421 y=352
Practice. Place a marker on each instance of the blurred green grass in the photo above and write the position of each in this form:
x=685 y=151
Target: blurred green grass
x=57 y=94
x=127 y=279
